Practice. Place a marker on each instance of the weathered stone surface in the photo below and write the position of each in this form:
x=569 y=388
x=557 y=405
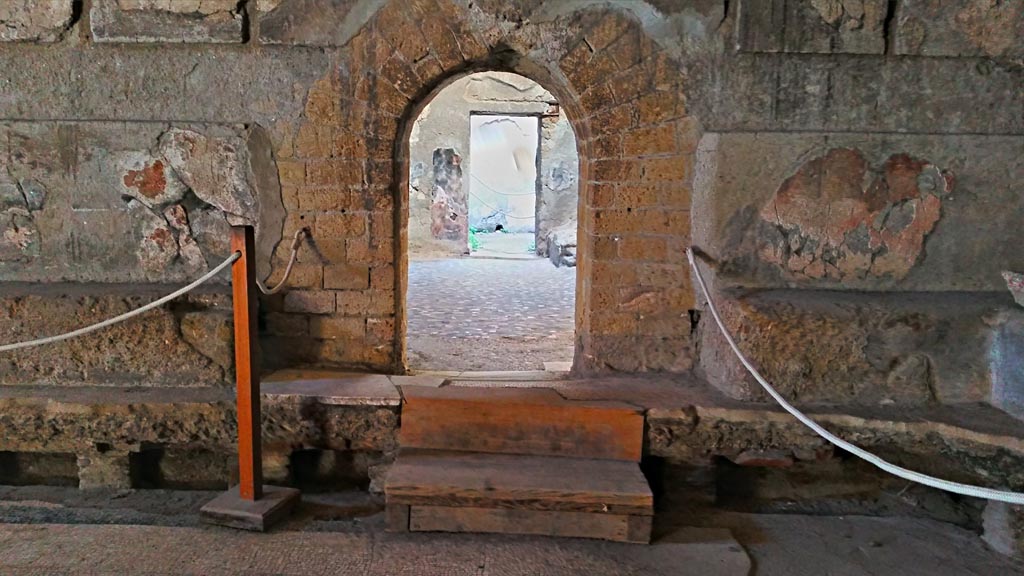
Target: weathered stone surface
x=1003 y=528
x=149 y=350
x=960 y=28
x=35 y=20
x=558 y=197
x=166 y=21
x=143 y=84
x=778 y=92
x=161 y=194
x=934 y=441
x=1006 y=358
x=824 y=223
x=198 y=421
x=212 y=334
x=107 y=469
x=20 y=201
x=331 y=387
x=822 y=26
x=814 y=210
x=562 y=245
x=313 y=22
x=216 y=170
x=827 y=347
x=150 y=180
x=158 y=246
x=624 y=71
x=449 y=202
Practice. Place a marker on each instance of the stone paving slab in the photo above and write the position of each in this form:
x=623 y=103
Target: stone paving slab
x=431 y=380
x=330 y=387
x=154 y=550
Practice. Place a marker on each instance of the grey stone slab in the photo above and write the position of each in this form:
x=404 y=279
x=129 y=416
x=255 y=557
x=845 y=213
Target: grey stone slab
x=508 y=376
x=818 y=27
x=792 y=545
x=229 y=509
x=32 y=20
x=336 y=388
x=147 y=83
x=860 y=94
x=218 y=21
x=313 y=22
x=959 y=28
x=431 y=380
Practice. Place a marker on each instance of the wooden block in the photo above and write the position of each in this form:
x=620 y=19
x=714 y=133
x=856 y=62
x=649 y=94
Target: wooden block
x=518 y=482
x=613 y=527
x=397 y=516
x=520 y=421
x=231 y=510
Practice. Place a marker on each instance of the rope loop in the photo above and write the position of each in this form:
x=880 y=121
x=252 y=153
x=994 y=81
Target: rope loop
x=296 y=242
x=127 y=315
x=947 y=485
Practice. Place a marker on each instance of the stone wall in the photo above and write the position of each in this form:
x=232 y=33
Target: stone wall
x=863 y=145
x=444 y=124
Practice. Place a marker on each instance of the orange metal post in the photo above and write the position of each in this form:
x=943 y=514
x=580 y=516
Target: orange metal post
x=247 y=378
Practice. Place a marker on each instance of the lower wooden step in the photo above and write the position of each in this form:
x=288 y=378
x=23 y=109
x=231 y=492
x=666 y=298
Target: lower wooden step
x=466 y=479
x=613 y=527
x=516 y=494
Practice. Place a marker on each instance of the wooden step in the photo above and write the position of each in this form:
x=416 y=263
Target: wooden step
x=516 y=494
x=535 y=421
x=614 y=527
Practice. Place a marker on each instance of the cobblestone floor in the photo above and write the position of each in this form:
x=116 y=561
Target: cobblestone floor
x=489 y=314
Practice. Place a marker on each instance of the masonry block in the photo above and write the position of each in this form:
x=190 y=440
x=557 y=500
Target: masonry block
x=1003 y=528
x=864 y=348
x=309 y=301
x=34 y=20
x=108 y=469
x=960 y=28
x=309 y=22
x=347 y=277
x=186 y=21
x=825 y=27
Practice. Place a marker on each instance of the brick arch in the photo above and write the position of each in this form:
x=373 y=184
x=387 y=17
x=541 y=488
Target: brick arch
x=623 y=97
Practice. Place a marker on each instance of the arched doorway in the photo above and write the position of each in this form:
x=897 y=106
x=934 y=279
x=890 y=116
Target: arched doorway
x=492 y=221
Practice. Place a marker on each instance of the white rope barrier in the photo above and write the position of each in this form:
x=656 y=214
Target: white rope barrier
x=947 y=485
x=296 y=241
x=127 y=315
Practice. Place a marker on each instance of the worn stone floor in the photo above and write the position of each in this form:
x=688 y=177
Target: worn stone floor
x=55 y=531
x=511 y=246
x=489 y=314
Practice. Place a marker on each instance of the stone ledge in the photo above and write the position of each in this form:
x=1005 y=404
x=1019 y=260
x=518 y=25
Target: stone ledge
x=330 y=387
x=76 y=419
x=687 y=421
x=971 y=443
x=819 y=346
